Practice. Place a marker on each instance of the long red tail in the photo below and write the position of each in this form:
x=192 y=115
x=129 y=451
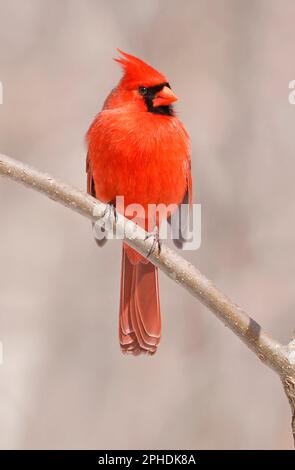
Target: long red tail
x=140 y=318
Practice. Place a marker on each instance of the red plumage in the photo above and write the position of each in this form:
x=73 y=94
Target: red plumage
x=138 y=148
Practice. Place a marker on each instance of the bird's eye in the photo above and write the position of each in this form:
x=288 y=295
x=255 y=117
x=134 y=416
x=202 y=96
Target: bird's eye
x=143 y=90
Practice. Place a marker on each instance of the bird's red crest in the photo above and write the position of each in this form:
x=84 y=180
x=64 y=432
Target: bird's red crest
x=137 y=72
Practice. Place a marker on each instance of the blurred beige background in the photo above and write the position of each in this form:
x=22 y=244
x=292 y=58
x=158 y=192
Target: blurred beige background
x=64 y=382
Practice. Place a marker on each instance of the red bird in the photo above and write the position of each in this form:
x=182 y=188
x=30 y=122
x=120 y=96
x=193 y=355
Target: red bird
x=138 y=148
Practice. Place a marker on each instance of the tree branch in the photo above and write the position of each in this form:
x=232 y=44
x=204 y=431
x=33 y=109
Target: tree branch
x=281 y=358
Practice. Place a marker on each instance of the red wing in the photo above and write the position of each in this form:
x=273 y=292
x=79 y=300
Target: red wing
x=90 y=182
x=180 y=225
x=189 y=182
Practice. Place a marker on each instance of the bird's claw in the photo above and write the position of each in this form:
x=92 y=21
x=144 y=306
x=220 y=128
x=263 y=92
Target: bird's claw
x=106 y=222
x=156 y=244
x=110 y=212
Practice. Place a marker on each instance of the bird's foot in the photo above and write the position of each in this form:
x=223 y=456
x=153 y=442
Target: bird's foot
x=156 y=243
x=110 y=214
x=106 y=222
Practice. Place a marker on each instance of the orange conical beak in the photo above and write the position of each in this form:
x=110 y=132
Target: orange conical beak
x=164 y=97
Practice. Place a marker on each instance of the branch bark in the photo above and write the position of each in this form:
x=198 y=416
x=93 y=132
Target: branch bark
x=281 y=358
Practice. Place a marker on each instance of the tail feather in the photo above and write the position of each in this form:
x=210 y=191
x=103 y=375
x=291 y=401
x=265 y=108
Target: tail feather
x=140 y=319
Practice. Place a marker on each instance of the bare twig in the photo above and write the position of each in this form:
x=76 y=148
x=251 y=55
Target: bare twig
x=281 y=358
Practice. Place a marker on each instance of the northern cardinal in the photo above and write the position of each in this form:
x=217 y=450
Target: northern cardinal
x=138 y=148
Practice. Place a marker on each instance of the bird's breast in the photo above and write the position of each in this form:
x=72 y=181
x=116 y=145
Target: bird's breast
x=140 y=156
